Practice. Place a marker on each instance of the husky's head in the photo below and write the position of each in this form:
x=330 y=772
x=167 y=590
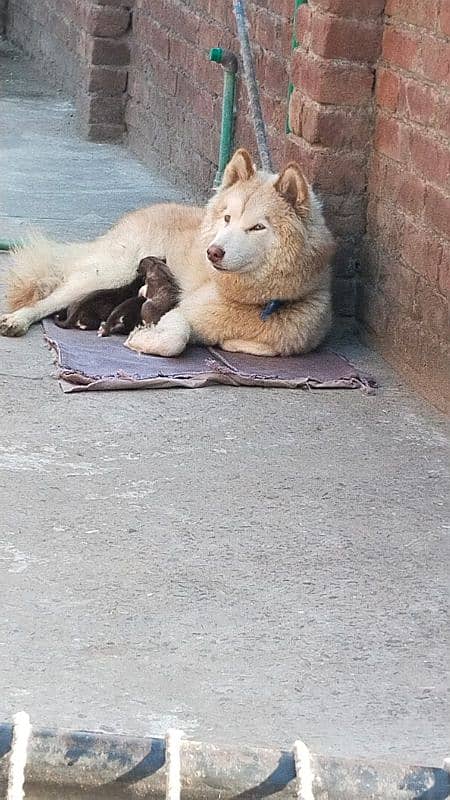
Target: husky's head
x=257 y=219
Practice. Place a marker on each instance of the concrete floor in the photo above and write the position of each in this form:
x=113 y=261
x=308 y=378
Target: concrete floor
x=250 y=565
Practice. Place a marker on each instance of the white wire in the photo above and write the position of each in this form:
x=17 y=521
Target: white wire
x=18 y=757
x=304 y=772
x=173 y=763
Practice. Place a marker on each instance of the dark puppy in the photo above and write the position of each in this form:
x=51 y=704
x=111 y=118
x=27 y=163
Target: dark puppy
x=124 y=318
x=96 y=307
x=159 y=288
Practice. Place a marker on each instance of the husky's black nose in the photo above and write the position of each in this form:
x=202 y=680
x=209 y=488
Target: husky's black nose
x=215 y=253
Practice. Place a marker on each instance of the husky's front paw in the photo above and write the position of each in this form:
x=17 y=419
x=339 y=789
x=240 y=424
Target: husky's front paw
x=13 y=324
x=156 y=342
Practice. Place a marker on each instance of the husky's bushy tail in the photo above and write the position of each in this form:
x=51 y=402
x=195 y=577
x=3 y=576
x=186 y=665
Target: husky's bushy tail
x=38 y=268
x=42 y=265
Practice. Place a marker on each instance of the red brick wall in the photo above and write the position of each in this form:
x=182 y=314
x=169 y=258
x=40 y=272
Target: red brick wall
x=50 y=35
x=405 y=276
x=81 y=46
x=331 y=115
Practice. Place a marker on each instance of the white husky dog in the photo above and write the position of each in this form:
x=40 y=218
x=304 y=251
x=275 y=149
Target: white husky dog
x=252 y=267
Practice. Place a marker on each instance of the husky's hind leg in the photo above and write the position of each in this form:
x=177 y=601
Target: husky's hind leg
x=253 y=347
x=18 y=322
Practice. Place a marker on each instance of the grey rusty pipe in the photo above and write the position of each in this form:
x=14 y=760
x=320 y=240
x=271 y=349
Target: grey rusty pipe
x=252 y=85
x=75 y=764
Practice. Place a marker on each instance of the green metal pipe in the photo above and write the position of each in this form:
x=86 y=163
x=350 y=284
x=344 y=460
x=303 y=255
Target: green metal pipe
x=9 y=244
x=229 y=62
x=294 y=44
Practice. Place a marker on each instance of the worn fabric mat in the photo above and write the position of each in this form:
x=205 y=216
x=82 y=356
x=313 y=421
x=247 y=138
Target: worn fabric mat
x=87 y=362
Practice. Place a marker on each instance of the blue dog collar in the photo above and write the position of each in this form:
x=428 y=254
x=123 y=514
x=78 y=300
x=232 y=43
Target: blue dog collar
x=270 y=308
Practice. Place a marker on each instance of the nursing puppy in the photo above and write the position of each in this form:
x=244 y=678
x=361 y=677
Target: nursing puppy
x=96 y=307
x=124 y=317
x=157 y=295
x=159 y=288
x=253 y=267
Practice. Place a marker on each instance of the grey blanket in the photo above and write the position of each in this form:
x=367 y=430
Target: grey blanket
x=88 y=362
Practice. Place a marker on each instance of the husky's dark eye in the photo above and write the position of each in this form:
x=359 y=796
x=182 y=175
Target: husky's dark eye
x=227 y=218
x=258 y=227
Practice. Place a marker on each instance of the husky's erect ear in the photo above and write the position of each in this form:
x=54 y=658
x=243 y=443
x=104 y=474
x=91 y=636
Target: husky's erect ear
x=293 y=187
x=240 y=168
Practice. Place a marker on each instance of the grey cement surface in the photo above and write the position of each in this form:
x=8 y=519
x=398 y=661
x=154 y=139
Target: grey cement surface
x=249 y=565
